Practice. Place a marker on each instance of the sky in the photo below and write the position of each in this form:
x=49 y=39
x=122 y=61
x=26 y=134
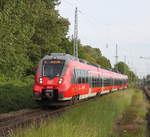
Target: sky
x=110 y=22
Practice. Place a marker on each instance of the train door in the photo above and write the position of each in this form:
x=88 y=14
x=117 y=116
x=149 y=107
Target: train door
x=75 y=81
x=90 y=84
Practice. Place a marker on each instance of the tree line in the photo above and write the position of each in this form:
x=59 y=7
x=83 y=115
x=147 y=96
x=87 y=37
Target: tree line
x=31 y=29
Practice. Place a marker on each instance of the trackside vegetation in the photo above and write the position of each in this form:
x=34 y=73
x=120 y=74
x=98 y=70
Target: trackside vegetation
x=97 y=118
x=16 y=95
x=131 y=123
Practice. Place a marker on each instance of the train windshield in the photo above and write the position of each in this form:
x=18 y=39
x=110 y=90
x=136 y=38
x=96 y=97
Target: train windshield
x=53 y=68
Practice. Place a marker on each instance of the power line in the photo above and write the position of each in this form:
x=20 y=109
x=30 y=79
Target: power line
x=69 y=3
x=90 y=17
x=147 y=58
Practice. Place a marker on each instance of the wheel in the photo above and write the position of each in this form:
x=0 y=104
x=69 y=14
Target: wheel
x=75 y=99
x=98 y=94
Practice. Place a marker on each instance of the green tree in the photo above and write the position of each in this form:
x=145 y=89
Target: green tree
x=31 y=29
x=28 y=31
x=94 y=55
x=124 y=69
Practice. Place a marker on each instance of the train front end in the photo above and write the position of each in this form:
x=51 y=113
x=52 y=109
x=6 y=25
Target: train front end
x=49 y=83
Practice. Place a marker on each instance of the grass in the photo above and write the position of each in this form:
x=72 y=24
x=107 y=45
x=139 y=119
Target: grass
x=96 y=118
x=16 y=95
x=132 y=122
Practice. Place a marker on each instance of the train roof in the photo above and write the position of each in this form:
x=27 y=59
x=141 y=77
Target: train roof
x=69 y=57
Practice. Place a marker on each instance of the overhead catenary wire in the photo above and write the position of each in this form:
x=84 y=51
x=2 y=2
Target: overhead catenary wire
x=91 y=18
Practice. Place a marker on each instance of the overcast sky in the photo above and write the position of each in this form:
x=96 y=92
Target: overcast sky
x=122 y=22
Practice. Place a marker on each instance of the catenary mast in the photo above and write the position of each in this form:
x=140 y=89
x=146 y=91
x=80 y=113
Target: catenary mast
x=75 y=43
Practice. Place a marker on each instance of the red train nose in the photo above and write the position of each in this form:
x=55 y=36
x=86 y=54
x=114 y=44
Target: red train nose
x=50 y=82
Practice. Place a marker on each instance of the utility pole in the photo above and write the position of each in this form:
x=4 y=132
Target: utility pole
x=125 y=59
x=116 y=57
x=124 y=64
x=75 y=43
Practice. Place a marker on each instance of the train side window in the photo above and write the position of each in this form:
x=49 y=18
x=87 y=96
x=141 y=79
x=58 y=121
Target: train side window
x=110 y=82
x=77 y=76
x=97 y=83
x=87 y=79
x=107 y=82
x=73 y=76
x=113 y=82
x=100 y=82
x=83 y=76
x=80 y=76
x=86 y=75
x=104 y=82
x=92 y=81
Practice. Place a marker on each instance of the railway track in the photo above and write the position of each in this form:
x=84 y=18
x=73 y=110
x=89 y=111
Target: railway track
x=146 y=90
x=23 y=119
x=10 y=122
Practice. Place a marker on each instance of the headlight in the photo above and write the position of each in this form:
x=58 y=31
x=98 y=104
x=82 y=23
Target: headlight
x=60 y=81
x=41 y=81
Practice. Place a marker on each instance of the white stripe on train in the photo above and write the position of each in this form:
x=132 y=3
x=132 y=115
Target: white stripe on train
x=91 y=94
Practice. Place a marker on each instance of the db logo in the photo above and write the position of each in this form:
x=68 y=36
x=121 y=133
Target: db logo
x=49 y=82
x=83 y=87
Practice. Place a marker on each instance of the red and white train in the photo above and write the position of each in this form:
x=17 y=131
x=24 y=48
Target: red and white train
x=63 y=78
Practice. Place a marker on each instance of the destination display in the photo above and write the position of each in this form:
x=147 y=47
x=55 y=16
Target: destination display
x=53 y=61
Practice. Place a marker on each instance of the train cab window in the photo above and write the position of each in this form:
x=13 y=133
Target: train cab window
x=52 y=68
